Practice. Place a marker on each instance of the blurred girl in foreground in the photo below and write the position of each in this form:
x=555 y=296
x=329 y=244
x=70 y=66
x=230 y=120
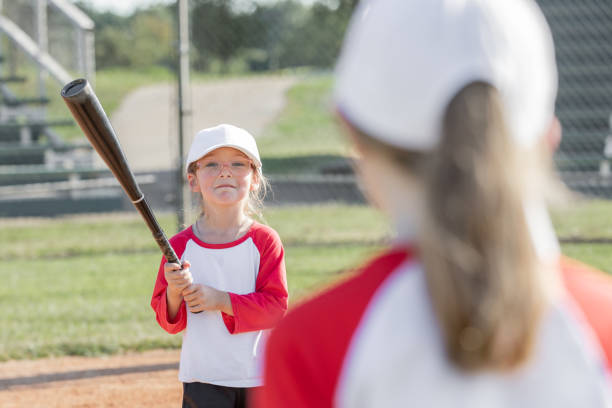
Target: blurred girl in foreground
x=448 y=105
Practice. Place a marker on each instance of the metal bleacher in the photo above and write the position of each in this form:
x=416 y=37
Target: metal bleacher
x=41 y=173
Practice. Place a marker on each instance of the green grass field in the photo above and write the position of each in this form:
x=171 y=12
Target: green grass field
x=586 y=220
x=82 y=285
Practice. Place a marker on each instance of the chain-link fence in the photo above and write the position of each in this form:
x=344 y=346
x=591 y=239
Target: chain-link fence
x=582 y=31
x=55 y=28
x=302 y=38
x=285 y=34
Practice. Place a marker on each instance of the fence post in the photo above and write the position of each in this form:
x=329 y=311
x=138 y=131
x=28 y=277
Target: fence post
x=42 y=39
x=183 y=194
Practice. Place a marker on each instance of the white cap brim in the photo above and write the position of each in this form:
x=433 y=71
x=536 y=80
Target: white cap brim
x=210 y=139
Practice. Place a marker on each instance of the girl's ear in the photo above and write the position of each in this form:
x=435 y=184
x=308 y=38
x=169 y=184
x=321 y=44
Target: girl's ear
x=357 y=148
x=193 y=182
x=554 y=134
x=255 y=181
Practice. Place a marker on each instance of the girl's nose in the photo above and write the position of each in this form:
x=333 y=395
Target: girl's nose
x=225 y=169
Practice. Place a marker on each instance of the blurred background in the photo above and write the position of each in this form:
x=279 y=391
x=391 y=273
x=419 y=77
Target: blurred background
x=263 y=65
x=248 y=59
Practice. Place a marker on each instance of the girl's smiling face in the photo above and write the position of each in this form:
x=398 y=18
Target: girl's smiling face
x=224 y=177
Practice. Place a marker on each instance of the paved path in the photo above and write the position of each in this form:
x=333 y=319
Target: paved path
x=146 y=121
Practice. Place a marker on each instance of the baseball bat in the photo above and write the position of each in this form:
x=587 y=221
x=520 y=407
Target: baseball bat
x=88 y=112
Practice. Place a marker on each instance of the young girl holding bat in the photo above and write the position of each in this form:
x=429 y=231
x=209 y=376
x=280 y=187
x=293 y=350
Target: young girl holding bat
x=447 y=104
x=231 y=285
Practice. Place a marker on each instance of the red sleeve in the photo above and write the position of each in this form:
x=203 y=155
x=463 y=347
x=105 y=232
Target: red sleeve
x=592 y=291
x=158 y=300
x=263 y=308
x=305 y=353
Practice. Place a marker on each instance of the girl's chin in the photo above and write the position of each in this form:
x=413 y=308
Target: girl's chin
x=228 y=198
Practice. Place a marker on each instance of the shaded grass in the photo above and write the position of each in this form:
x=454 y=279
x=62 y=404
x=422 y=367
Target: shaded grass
x=126 y=233
x=584 y=219
x=76 y=236
x=596 y=255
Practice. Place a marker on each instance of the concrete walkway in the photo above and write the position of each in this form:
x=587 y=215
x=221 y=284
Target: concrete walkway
x=146 y=121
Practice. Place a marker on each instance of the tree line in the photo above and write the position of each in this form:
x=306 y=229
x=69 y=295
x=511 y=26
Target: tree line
x=226 y=35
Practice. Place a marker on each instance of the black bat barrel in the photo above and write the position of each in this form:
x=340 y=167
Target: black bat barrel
x=89 y=114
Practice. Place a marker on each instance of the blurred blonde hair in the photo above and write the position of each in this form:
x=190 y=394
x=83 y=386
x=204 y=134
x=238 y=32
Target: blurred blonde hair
x=479 y=259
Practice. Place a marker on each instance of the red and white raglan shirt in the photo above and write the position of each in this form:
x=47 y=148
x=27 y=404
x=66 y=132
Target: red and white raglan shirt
x=592 y=291
x=373 y=341
x=218 y=348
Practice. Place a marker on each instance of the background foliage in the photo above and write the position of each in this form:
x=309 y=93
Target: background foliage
x=227 y=36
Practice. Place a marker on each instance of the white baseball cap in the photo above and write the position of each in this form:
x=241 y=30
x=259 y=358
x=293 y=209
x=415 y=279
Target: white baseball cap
x=404 y=60
x=209 y=139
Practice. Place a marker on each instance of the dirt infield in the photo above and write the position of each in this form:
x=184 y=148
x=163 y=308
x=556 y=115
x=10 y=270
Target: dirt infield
x=146 y=379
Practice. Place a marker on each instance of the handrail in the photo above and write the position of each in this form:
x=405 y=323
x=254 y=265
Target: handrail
x=43 y=59
x=85 y=40
x=73 y=13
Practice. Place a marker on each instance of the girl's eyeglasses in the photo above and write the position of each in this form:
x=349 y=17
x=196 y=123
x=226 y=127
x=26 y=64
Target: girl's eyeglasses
x=238 y=167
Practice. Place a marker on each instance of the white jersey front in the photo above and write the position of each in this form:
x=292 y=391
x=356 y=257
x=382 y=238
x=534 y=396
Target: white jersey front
x=219 y=348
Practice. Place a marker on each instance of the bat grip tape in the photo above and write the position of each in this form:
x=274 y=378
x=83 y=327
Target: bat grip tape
x=139 y=200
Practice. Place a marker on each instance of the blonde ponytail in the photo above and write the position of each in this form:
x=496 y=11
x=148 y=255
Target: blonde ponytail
x=476 y=249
